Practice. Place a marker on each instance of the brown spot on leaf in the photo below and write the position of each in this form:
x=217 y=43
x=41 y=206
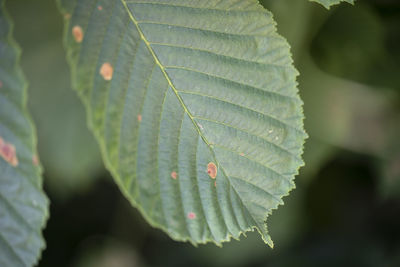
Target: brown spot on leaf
x=191 y=215
x=212 y=170
x=77 y=33
x=242 y=154
x=8 y=153
x=106 y=71
x=139 y=118
x=100 y=8
x=215 y=183
x=35 y=160
x=174 y=175
x=1 y=84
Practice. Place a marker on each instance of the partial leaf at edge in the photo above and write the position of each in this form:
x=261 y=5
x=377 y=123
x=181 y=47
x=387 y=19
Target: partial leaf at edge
x=329 y=3
x=23 y=204
x=194 y=83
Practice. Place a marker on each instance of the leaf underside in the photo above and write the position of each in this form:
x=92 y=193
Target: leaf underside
x=329 y=3
x=23 y=204
x=195 y=107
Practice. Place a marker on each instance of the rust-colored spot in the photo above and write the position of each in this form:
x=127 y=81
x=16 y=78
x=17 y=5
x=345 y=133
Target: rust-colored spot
x=106 y=71
x=100 y=8
x=35 y=160
x=212 y=170
x=77 y=33
x=215 y=183
x=241 y=154
x=174 y=175
x=139 y=118
x=7 y=152
x=67 y=16
x=191 y=215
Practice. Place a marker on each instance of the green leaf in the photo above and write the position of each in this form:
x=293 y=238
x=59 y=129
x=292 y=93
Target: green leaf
x=329 y=3
x=195 y=107
x=23 y=204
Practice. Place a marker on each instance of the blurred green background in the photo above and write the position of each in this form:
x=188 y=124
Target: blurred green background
x=345 y=210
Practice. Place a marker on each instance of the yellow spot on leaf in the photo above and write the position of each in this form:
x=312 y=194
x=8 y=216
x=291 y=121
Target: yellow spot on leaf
x=212 y=170
x=8 y=153
x=106 y=71
x=77 y=33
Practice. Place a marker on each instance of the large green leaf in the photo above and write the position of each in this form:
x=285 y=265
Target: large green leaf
x=195 y=107
x=23 y=205
x=329 y=3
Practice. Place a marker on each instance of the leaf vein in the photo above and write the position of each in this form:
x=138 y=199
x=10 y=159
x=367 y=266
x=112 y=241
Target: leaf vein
x=210 y=52
x=232 y=81
x=241 y=107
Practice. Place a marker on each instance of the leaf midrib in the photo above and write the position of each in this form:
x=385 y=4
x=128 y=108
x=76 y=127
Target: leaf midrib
x=157 y=61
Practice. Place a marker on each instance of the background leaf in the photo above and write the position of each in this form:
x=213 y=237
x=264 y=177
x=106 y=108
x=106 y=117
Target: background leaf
x=68 y=151
x=329 y=3
x=24 y=206
x=195 y=107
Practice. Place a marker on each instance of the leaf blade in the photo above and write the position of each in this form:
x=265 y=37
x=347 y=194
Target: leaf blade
x=24 y=206
x=162 y=118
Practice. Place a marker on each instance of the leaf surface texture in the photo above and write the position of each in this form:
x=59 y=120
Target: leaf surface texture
x=195 y=107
